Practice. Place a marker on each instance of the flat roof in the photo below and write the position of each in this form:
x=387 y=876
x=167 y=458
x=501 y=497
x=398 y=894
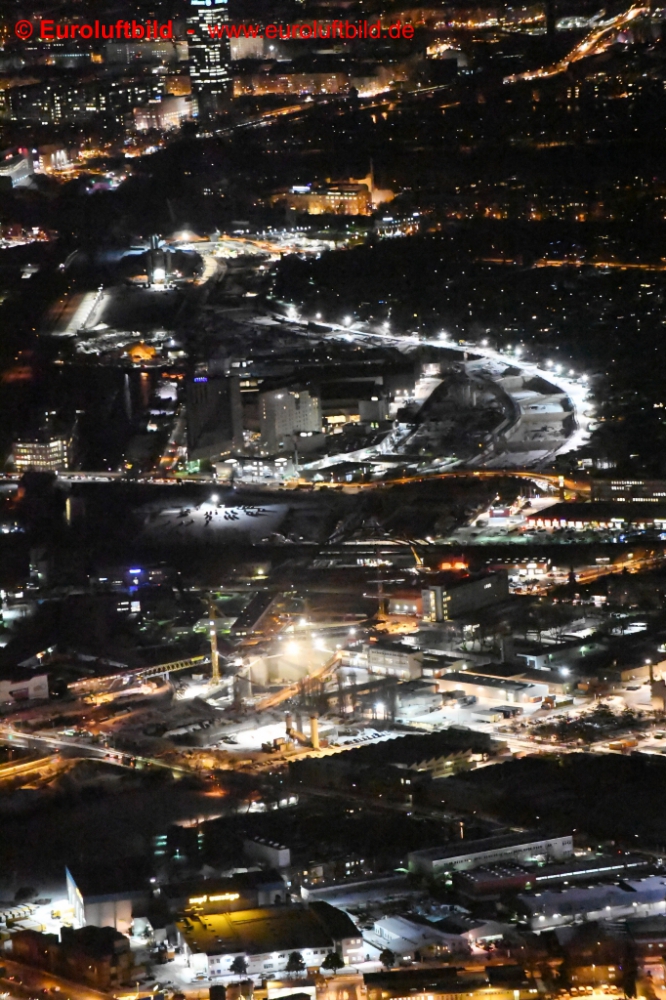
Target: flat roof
x=472 y=847
x=267 y=929
x=501 y=683
x=602 y=510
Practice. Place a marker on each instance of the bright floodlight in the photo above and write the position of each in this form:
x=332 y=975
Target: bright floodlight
x=292 y=648
x=484 y=343
x=519 y=351
x=347 y=321
x=387 y=325
x=318 y=316
x=352 y=631
x=549 y=364
x=214 y=498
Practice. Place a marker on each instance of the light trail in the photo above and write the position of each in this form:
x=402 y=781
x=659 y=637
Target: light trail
x=597 y=41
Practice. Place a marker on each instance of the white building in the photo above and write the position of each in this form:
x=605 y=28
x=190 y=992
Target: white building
x=267 y=852
x=546 y=910
x=16 y=170
x=23 y=685
x=435 y=861
x=165 y=114
x=405 y=937
x=285 y=414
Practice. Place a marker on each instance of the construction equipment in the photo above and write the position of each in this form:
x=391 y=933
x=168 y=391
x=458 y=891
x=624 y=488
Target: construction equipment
x=293 y=690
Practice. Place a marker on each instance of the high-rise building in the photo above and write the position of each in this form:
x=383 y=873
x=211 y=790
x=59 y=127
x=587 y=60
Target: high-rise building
x=210 y=57
x=286 y=413
x=214 y=417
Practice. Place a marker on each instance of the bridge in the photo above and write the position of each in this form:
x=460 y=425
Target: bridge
x=90 y=684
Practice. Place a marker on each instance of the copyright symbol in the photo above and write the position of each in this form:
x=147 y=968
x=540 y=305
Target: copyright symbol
x=23 y=29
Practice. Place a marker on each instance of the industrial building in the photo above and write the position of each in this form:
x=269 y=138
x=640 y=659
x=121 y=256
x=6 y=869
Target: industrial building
x=241 y=891
x=103 y=898
x=458 y=595
x=19 y=684
x=267 y=937
x=550 y=909
x=436 y=861
x=387 y=657
x=493 y=688
x=407 y=939
x=491 y=881
x=607 y=514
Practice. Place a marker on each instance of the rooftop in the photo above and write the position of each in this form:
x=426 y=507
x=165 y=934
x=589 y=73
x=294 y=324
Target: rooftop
x=257 y=931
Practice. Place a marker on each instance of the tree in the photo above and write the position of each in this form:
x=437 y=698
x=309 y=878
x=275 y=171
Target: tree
x=295 y=962
x=387 y=958
x=332 y=962
x=239 y=966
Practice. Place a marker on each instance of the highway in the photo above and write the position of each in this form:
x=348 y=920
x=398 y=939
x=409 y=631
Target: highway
x=575 y=389
x=120 y=758
x=596 y=42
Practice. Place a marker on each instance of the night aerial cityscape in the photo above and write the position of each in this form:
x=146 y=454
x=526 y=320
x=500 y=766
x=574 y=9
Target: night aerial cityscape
x=332 y=500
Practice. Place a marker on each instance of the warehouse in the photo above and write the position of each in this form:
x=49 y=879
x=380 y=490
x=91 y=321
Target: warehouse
x=435 y=861
x=266 y=938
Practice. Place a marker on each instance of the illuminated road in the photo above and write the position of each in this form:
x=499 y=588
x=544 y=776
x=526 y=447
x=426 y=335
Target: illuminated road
x=35 y=980
x=575 y=389
x=596 y=42
x=12 y=737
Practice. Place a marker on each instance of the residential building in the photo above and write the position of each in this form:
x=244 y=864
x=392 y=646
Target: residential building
x=285 y=415
x=100 y=957
x=214 y=417
x=164 y=114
